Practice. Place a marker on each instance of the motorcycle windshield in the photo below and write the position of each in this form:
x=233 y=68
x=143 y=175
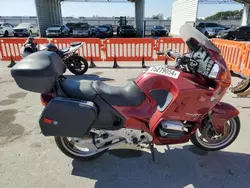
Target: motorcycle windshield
x=188 y=32
x=205 y=53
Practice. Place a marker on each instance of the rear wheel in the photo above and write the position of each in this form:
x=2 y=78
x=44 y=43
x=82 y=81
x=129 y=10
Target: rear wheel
x=77 y=65
x=6 y=34
x=207 y=139
x=79 y=148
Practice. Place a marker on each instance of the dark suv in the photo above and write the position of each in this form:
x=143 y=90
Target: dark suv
x=242 y=32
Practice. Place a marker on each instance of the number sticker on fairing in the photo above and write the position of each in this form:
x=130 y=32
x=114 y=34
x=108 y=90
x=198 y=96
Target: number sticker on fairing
x=164 y=71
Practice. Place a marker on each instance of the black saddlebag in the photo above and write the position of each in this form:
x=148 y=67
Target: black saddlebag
x=67 y=118
x=38 y=72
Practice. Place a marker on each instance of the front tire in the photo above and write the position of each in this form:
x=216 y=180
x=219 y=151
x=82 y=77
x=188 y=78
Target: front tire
x=75 y=64
x=69 y=149
x=213 y=145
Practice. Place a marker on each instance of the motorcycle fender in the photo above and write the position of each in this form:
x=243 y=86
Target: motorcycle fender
x=221 y=113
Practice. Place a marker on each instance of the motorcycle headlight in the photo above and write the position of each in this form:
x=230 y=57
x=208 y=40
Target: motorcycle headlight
x=214 y=72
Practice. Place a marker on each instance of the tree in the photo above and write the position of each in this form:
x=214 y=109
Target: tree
x=159 y=16
x=226 y=15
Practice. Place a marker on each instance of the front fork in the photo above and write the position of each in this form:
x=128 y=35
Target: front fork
x=221 y=113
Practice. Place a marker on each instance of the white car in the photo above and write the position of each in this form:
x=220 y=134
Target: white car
x=25 y=30
x=6 y=29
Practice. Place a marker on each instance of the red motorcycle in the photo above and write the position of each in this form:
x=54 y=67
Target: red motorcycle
x=164 y=105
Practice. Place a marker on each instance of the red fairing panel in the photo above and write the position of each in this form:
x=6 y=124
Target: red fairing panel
x=222 y=112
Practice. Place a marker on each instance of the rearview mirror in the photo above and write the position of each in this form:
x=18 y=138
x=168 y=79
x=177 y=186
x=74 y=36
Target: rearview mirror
x=172 y=53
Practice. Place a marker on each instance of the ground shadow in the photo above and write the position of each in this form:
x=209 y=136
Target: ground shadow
x=91 y=77
x=174 y=168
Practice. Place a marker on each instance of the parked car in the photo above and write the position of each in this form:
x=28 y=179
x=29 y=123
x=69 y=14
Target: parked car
x=225 y=27
x=103 y=31
x=127 y=30
x=159 y=30
x=236 y=33
x=209 y=29
x=71 y=26
x=57 y=31
x=111 y=28
x=93 y=30
x=82 y=30
x=25 y=30
x=6 y=29
x=227 y=34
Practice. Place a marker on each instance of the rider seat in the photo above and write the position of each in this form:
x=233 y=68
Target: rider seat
x=129 y=95
x=79 y=89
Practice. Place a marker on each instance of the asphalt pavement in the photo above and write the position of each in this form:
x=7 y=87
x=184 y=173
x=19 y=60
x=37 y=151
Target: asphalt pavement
x=30 y=160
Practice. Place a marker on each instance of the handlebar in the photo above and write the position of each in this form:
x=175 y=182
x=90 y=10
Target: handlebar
x=169 y=53
x=160 y=53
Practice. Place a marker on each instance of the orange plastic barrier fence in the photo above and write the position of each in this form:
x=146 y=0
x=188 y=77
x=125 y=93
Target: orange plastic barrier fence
x=11 y=47
x=163 y=44
x=232 y=52
x=236 y=54
x=90 y=48
x=246 y=70
x=130 y=49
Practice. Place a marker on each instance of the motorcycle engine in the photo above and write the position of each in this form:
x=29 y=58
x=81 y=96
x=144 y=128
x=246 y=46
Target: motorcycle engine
x=172 y=129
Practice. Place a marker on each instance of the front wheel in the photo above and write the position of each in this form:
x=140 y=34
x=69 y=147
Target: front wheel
x=79 y=148
x=77 y=65
x=206 y=138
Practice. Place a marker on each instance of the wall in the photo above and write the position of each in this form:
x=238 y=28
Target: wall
x=183 y=11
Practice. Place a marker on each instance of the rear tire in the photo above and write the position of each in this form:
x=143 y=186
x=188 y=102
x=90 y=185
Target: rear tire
x=210 y=147
x=6 y=34
x=78 y=59
x=61 y=144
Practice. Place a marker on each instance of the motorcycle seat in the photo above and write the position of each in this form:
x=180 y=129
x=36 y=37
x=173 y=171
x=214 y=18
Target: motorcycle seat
x=78 y=89
x=75 y=44
x=129 y=95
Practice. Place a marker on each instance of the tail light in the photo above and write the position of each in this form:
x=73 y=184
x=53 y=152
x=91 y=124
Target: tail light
x=46 y=97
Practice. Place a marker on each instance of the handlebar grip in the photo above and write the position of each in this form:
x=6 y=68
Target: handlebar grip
x=160 y=53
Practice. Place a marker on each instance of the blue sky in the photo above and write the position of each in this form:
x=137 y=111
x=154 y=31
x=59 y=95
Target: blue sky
x=27 y=8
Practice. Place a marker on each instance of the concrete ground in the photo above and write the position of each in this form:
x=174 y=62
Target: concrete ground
x=30 y=160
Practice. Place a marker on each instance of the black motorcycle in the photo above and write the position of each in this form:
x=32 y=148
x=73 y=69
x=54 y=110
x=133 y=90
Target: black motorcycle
x=75 y=63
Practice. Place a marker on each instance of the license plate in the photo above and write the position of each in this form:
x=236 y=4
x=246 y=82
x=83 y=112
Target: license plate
x=164 y=71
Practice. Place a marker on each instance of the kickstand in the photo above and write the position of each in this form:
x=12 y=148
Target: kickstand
x=151 y=146
x=168 y=147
